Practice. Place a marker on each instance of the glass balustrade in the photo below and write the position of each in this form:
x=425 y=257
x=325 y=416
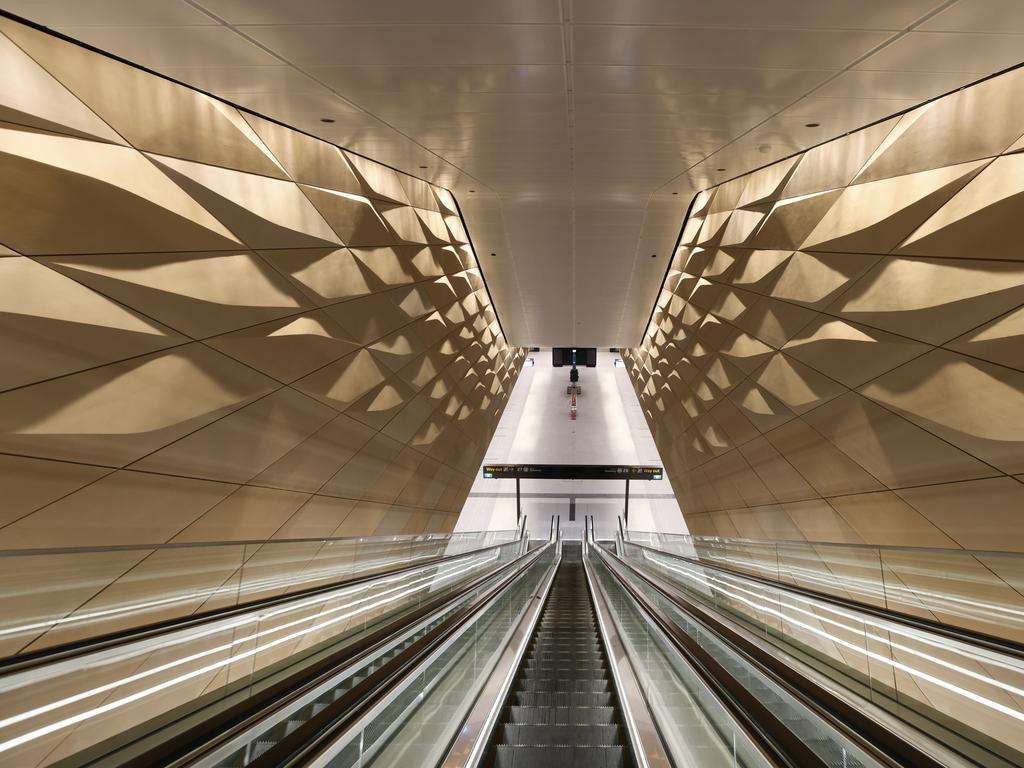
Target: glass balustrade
x=968 y=589
x=53 y=597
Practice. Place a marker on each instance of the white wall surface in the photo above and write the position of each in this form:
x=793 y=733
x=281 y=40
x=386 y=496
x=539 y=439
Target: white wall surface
x=536 y=429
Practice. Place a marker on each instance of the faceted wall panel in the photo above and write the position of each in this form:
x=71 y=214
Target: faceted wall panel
x=837 y=352
x=214 y=327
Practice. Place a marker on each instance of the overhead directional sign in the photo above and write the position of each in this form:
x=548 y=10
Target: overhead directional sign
x=572 y=472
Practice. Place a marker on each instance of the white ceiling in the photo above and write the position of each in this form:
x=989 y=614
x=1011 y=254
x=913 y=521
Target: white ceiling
x=573 y=132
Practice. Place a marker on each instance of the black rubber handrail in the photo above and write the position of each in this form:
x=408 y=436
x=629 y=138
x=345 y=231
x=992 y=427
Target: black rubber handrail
x=950 y=632
x=318 y=732
x=257 y=705
x=65 y=651
x=867 y=733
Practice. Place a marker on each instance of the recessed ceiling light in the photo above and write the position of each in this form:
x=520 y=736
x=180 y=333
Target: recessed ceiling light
x=811 y=125
x=326 y=119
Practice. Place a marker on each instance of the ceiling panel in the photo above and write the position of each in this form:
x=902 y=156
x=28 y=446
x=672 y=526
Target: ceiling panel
x=574 y=134
x=110 y=13
x=949 y=52
x=1002 y=16
x=260 y=79
x=916 y=86
x=410 y=45
x=664 y=80
x=389 y=12
x=753 y=48
x=441 y=81
x=158 y=47
x=806 y=14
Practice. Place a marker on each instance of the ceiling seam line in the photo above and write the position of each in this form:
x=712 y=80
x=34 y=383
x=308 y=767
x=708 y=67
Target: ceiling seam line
x=565 y=18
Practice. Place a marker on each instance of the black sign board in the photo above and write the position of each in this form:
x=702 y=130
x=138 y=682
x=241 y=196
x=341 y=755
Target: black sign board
x=572 y=472
x=584 y=357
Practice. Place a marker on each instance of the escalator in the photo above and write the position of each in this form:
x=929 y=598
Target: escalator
x=563 y=709
x=553 y=655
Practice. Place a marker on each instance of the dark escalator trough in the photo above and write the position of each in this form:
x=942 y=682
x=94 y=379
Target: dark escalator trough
x=562 y=710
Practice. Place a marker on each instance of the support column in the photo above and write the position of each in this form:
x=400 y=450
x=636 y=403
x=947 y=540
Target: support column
x=519 y=505
x=626 y=512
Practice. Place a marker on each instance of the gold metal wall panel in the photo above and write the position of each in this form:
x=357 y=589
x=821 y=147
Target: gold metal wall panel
x=837 y=352
x=214 y=327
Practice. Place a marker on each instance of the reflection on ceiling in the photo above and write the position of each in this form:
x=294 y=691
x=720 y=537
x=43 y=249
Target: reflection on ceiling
x=573 y=133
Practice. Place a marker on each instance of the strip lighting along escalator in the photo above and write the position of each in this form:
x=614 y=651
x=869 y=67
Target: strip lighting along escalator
x=158 y=598
x=863 y=591
x=563 y=708
x=320 y=583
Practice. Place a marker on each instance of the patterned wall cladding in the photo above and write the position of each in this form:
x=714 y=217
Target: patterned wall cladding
x=215 y=327
x=837 y=352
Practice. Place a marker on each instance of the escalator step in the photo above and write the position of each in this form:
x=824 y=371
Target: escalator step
x=555 y=685
x=595 y=663
x=518 y=715
x=559 y=757
x=575 y=734
x=563 y=699
x=565 y=672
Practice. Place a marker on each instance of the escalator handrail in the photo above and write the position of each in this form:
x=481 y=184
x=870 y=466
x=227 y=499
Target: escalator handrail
x=959 y=634
x=317 y=734
x=874 y=738
x=213 y=731
x=77 y=648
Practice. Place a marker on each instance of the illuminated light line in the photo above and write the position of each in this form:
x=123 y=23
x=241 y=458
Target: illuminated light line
x=899 y=646
x=876 y=656
x=946 y=645
x=118 y=703
x=139 y=607
x=815 y=577
x=170 y=665
x=870 y=588
x=205 y=595
x=885 y=627
x=182 y=678
x=116 y=654
x=403 y=591
x=31 y=677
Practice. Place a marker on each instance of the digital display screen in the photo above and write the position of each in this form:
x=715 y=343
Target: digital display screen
x=573 y=472
x=585 y=357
